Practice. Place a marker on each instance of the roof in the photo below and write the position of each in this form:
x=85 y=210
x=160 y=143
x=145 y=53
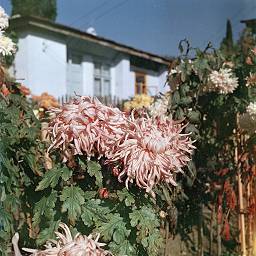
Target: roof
x=248 y=21
x=38 y=22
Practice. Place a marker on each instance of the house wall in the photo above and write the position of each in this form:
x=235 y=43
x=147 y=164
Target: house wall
x=41 y=62
x=155 y=80
x=20 y=66
x=124 y=79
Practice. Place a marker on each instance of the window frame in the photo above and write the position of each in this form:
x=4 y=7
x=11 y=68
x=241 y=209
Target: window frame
x=144 y=87
x=102 y=77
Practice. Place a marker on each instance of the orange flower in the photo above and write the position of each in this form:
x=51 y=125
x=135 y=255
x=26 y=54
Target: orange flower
x=24 y=90
x=4 y=90
x=46 y=101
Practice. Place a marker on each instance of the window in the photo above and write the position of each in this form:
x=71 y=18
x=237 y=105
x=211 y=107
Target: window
x=101 y=80
x=74 y=73
x=140 y=83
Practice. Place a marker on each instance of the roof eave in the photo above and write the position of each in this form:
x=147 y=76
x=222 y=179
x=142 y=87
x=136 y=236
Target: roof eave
x=72 y=32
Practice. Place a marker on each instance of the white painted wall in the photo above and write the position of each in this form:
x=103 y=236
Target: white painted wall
x=155 y=80
x=124 y=79
x=20 y=67
x=41 y=61
x=163 y=87
x=88 y=75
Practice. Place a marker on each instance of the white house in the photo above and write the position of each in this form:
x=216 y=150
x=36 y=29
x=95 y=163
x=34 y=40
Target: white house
x=62 y=60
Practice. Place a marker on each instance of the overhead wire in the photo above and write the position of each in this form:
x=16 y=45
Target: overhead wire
x=116 y=6
x=89 y=13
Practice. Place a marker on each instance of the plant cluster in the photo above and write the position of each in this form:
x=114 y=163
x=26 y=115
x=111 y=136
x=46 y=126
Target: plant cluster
x=213 y=90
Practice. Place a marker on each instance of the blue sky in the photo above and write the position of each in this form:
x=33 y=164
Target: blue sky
x=156 y=25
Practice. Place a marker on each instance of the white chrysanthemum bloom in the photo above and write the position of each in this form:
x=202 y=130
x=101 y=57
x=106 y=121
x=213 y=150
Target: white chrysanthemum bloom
x=4 y=23
x=66 y=244
x=251 y=109
x=160 y=106
x=222 y=81
x=7 y=47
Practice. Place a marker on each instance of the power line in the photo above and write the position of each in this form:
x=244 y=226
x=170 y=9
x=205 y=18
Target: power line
x=107 y=12
x=96 y=8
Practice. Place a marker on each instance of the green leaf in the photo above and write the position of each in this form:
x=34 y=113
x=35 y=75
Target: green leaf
x=93 y=212
x=126 y=196
x=176 y=98
x=147 y=224
x=144 y=219
x=66 y=174
x=194 y=116
x=45 y=207
x=124 y=248
x=72 y=198
x=5 y=220
x=153 y=243
x=108 y=229
x=94 y=170
x=51 y=177
x=48 y=233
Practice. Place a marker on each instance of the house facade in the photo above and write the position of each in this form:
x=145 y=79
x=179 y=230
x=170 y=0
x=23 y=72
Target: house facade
x=62 y=61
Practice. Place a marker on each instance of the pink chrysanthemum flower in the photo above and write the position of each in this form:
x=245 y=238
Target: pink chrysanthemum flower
x=153 y=150
x=85 y=127
x=65 y=244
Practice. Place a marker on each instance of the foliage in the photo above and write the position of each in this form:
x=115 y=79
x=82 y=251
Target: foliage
x=43 y=8
x=214 y=123
x=21 y=161
x=34 y=200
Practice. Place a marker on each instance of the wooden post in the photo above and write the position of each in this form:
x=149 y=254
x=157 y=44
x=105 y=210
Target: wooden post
x=240 y=194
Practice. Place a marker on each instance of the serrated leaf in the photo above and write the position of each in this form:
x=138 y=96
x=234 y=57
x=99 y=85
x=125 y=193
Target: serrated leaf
x=44 y=207
x=119 y=236
x=66 y=174
x=144 y=219
x=126 y=196
x=94 y=170
x=48 y=233
x=147 y=224
x=115 y=222
x=125 y=248
x=93 y=212
x=153 y=243
x=51 y=177
x=72 y=198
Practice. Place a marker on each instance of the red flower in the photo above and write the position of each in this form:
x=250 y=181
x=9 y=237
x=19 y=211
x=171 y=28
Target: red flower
x=115 y=171
x=249 y=61
x=226 y=231
x=103 y=193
